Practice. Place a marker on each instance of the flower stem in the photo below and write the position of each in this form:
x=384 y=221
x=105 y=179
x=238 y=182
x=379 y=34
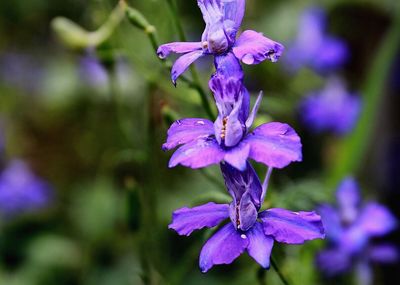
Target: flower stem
x=276 y=268
x=353 y=149
x=193 y=70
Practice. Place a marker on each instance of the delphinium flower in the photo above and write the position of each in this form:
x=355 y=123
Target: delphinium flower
x=21 y=191
x=248 y=229
x=223 y=19
x=204 y=143
x=350 y=229
x=331 y=109
x=313 y=47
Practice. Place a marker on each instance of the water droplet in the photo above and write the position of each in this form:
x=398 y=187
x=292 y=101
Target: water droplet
x=201 y=123
x=243 y=236
x=248 y=59
x=179 y=122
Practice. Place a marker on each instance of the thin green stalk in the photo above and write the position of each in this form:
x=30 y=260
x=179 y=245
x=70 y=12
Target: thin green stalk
x=195 y=76
x=352 y=151
x=278 y=271
x=138 y=20
x=213 y=180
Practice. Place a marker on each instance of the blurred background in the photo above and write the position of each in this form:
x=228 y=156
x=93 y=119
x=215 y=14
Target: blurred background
x=85 y=192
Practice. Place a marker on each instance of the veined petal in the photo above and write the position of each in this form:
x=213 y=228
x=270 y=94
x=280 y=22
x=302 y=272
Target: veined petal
x=348 y=197
x=376 y=220
x=331 y=222
x=182 y=63
x=187 y=130
x=223 y=247
x=237 y=156
x=178 y=47
x=252 y=48
x=260 y=245
x=211 y=10
x=233 y=11
x=197 y=154
x=186 y=220
x=274 y=144
x=292 y=227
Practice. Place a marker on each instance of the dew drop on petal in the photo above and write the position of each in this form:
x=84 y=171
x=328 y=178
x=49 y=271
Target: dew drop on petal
x=248 y=59
x=201 y=123
x=243 y=236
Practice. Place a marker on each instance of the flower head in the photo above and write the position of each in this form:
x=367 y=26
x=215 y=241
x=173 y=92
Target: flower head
x=21 y=191
x=350 y=228
x=223 y=19
x=313 y=47
x=248 y=229
x=204 y=143
x=331 y=109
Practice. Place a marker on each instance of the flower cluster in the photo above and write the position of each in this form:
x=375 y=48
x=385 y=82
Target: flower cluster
x=230 y=141
x=350 y=230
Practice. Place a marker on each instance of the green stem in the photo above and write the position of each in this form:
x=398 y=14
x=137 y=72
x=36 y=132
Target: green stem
x=195 y=76
x=276 y=268
x=352 y=151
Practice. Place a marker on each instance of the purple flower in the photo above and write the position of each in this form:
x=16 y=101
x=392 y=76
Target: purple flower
x=21 y=191
x=313 y=47
x=349 y=230
x=248 y=230
x=92 y=71
x=331 y=109
x=223 y=19
x=204 y=143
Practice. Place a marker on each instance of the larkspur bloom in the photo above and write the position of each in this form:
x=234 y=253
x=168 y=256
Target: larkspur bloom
x=223 y=19
x=204 y=143
x=313 y=47
x=21 y=191
x=349 y=230
x=331 y=109
x=248 y=229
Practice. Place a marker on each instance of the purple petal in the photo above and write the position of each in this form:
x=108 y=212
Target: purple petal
x=333 y=261
x=260 y=245
x=186 y=220
x=253 y=114
x=222 y=248
x=331 y=221
x=187 y=130
x=376 y=220
x=252 y=48
x=386 y=253
x=211 y=10
x=233 y=16
x=178 y=47
x=292 y=227
x=348 y=197
x=237 y=156
x=274 y=144
x=332 y=54
x=197 y=154
x=182 y=63
x=243 y=213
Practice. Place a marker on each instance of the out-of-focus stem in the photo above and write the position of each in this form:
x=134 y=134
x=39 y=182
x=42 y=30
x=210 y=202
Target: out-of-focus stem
x=352 y=151
x=195 y=75
x=278 y=271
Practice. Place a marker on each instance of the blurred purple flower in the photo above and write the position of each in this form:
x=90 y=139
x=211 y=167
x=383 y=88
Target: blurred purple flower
x=249 y=230
x=21 y=191
x=331 y=109
x=205 y=143
x=20 y=71
x=223 y=19
x=92 y=71
x=313 y=47
x=350 y=228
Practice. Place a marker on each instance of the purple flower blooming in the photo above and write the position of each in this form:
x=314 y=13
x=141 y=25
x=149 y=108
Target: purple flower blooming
x=205 y=143
x=313 y=47
x=223 y=19
x=248 y=230
x=349 y=230
x=21 y=191
x=331 y=109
